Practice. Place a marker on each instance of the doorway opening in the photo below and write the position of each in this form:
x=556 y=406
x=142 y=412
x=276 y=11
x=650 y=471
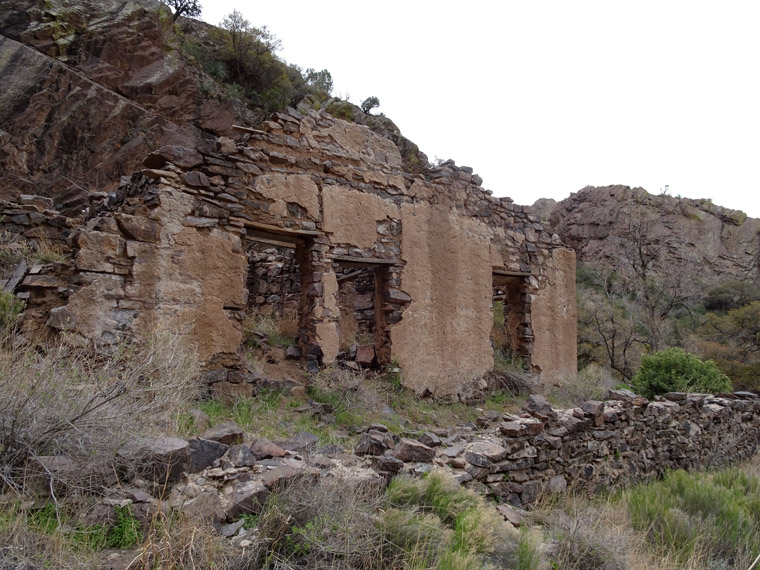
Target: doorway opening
x=510 y=335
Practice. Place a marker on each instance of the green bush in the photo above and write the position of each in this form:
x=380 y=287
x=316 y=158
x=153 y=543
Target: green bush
x=675 y=370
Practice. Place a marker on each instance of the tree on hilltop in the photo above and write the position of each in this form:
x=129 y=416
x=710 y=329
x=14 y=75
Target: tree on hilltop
x=189 y=8
x=319 y=80
x=370 y=103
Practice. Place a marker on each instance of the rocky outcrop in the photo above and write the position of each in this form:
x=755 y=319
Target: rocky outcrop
x=89 y=89
x=718 y=244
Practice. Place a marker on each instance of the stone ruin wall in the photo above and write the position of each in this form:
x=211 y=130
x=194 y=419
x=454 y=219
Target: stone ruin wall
x=607 y=444
x=174 y=248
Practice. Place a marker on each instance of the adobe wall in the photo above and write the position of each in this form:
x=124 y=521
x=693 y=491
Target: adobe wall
x=553 y=313
x=172 y=249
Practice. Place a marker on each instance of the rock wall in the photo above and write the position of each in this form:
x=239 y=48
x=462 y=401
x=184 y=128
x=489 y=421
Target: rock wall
x=602 y=445
x=607 y=444
x=172 y=249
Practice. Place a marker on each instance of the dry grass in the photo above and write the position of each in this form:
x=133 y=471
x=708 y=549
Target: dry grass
x=278 y=329
x=320 y=523
x=591 y=383
x=63 y=400
x=697 y=521
x=177 y=542
x=344 y=522
x=15 y=249
x=27 y=541
x=597 y=534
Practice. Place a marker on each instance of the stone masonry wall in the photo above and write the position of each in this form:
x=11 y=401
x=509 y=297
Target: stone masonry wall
x=171 y=250
x=599 y=445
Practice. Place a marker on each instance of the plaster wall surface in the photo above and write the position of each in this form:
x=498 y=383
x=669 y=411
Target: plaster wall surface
x=448 y=276
x=553 y=317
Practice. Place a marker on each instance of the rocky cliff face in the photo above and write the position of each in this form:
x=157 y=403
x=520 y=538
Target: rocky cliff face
x=718 y=243
x=89 y=88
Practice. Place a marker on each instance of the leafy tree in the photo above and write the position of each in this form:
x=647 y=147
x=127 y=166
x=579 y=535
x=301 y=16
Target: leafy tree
x=189 y=8
x=675 y=370
x=249 y=49
x=733 y=341
x=739 y=328
x=370 y=103
x=319 y=80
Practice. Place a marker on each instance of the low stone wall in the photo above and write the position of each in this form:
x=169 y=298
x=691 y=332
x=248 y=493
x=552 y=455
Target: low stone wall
x=33 y=219
x=224 y=473
x=607 y=444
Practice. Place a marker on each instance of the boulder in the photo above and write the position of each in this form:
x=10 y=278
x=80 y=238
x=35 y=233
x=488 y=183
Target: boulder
x=365 y=356
x=245 y=497
x=265 y=449
x=227 y=432
x=303 y=441
x=279 y=477
x=161 y=460
x=430 y=439
x=371 y=443
x=177 y=155
x=203 y=453
x=62 y=319
x=594 y=408
x=539 y=407
x=408 y=450
x=238 y=456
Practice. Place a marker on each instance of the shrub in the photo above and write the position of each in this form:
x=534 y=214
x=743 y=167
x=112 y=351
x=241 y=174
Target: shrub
x=731 y=295
x=675 y=370
x=334 y=522
x=64 y=400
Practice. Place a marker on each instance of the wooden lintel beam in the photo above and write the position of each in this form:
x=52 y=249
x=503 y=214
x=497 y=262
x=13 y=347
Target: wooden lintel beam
x=351 y=260
x=253 y=237
x=505 y=273
x=352 y=275
x=276 y=229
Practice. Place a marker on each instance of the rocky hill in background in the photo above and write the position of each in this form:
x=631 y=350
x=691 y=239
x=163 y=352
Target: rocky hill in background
x=603 y=224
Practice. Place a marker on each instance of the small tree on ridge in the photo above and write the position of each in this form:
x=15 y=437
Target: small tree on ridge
x=189 y=8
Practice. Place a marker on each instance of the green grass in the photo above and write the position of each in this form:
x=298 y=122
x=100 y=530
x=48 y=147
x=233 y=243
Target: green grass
x=125 y=533
x=415 y=524
x=686 y=513
x=528 y=555
x=59 y=523
x=437 y=503
x=10 y=313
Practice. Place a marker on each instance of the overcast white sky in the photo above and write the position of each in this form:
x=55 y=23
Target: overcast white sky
x=542 y=97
